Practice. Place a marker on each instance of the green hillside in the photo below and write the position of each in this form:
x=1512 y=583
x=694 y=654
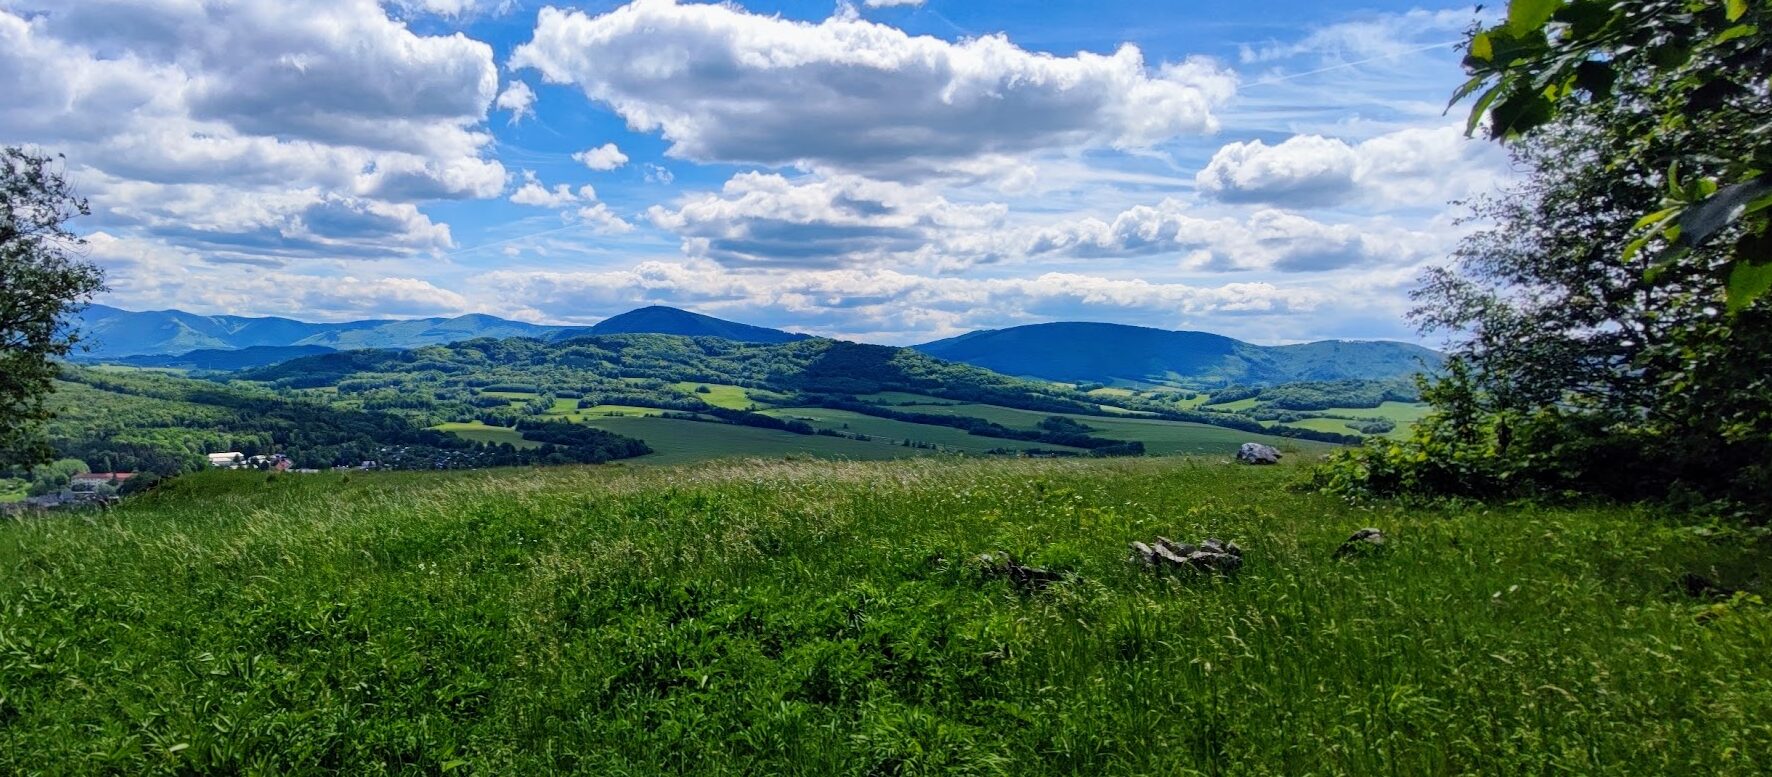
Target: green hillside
x=826 y=618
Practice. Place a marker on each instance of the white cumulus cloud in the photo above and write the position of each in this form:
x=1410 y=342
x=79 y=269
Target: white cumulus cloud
x=604 y=157
x=725 y=85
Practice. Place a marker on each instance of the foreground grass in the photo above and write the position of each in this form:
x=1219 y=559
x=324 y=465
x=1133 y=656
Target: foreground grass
x=821 y=618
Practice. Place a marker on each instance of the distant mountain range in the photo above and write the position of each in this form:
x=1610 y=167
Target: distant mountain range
x=1075 y=352
x=1108 y=353
x=113 y=334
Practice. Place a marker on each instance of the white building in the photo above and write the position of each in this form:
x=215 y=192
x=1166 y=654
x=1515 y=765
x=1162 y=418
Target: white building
x=231 y=459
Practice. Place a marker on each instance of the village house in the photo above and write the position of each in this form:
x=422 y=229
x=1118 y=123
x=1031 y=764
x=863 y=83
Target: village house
x=95 y=478
x=275 y=462
x=230 y=459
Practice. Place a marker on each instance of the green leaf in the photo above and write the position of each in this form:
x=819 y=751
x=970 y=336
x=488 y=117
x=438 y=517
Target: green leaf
x=1747 y=282
x=1480 y=108
x=1734 y=9
x=1465 y=90
x=1524 y=16
x=1732 y=33
x=1718 y=210
x=1519 y=114
x=1657 y=217
x=1481 y=47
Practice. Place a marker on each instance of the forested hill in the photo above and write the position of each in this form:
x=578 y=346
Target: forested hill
x=447 y=383
x=618 y=364
x=1107 y=353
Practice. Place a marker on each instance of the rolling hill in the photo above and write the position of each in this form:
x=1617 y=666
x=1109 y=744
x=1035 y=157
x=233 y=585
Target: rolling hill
x=1110 y=353
x=113 y=333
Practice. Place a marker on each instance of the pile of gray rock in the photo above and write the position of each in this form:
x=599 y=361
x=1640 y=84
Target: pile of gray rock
x=1223 y=558
x=1256 y=453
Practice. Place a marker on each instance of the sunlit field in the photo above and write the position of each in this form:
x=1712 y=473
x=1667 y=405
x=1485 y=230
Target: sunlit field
x=818 y=617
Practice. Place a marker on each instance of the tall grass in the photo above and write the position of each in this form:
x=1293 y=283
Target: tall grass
x=795 y=617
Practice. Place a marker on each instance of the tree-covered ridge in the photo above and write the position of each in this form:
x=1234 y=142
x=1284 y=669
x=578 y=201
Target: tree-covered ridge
x=449 y=383
x=152 y=422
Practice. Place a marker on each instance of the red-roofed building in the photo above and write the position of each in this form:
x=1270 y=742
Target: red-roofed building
x=102 y=477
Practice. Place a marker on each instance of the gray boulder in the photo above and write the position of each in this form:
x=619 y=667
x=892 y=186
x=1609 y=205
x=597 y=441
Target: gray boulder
x=1209 y=556
x=1256 y=453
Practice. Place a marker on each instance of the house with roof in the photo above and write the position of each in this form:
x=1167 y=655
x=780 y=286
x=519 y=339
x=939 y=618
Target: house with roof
x=230 y=459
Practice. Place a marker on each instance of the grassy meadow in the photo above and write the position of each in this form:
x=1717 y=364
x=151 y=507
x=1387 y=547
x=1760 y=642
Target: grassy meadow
x=801 y=617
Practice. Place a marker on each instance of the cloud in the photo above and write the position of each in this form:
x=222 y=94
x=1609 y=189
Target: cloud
x=891 y=3
x=1422 y=166
x=658 y=173
x=604 y=221
x=1266 y=239
x=724 y=85
x=604 y=157
x=761 y=219
x=533 y=192
x=517 y=98
x=764 y=220
x=153 y=274
x=1376 y=36
x=234 y=124
x=883 y=304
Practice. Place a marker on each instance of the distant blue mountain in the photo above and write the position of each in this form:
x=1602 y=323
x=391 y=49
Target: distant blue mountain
x=1107 y=353
x=111 y=333
x=661 y=320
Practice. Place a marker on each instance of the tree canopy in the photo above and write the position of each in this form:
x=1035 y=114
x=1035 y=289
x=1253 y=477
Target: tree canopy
x=43 y=281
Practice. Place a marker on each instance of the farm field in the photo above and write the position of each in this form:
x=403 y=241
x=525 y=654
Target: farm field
x=728 y=396
x=892 y=430
x=896 y=398
x=675 y=441
x=480 y=432
x=1160 y=437
x=1232 y=406
x=799 y=617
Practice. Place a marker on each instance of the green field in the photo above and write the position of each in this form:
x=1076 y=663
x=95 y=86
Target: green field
x=576 y=413
x=1160 y=437
x=1234 y=406
x=894 y=431
x=480 y=432
x=1403 y=413
x=12 y=490
x=729 y=396
x=895 y=398
x=677 y=441
x=519 y=396
x=825 y=618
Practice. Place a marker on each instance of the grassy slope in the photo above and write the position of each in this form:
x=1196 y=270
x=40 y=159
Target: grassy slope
x=818 y=618
x=1159 y=437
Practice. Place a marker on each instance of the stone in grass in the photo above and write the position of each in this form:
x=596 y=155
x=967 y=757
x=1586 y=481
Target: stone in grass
x=1256 y=453
x=1026 y=578
x=1364 y=542
x=1209 y=556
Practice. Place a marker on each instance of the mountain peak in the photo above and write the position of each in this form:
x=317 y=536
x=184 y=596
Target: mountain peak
x=665 y=320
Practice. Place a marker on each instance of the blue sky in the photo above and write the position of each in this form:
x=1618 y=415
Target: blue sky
x=888 y=171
